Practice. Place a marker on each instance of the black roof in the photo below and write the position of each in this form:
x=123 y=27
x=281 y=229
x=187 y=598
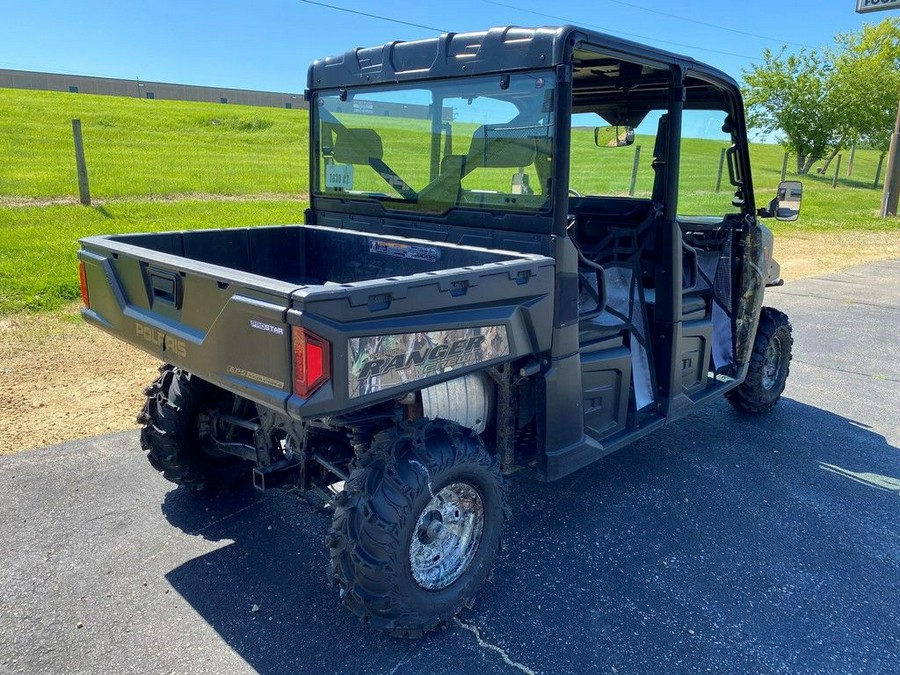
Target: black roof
x=502 y=49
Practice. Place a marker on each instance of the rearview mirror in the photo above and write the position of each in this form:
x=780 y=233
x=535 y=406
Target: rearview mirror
x=613 y=136
x=787 y=203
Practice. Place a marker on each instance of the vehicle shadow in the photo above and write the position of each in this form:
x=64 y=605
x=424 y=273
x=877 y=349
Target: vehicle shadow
x=724 y=542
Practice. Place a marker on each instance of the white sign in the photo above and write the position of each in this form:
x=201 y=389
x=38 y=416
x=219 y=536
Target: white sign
x=339 y=176
x=863 y=6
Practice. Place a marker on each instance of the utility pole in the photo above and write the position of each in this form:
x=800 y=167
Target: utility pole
x=892 y=175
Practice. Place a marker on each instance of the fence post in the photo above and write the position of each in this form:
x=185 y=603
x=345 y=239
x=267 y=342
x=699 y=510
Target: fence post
x=634 y=170
x=878 y=171
x=784 y=166
x=837 y=170
x=850 y=161
x=84 y=192
x=721 y=166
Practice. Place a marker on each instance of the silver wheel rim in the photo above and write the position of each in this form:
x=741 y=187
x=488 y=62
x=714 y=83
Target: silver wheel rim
x=446 y=536
x=772 y=364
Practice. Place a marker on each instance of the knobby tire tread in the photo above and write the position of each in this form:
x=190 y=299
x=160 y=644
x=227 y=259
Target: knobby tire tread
x=366 y=545
x=167 y=433
x=750 y=396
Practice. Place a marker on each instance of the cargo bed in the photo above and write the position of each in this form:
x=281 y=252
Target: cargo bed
x=222 y=304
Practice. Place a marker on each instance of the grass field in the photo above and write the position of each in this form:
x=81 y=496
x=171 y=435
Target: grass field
x=157 y=165
x=139 y=147
x=38 y=244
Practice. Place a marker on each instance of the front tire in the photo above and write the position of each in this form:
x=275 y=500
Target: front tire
x=770 y=364
x=417 y=527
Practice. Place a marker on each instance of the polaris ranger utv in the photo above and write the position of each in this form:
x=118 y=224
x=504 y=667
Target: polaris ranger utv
x=516 y=255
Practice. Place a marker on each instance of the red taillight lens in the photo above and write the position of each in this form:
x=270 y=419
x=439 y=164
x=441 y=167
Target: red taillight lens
x=312 y=361
x=84 y=291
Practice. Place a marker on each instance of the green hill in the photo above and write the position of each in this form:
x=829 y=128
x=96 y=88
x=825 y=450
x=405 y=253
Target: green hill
x=140 y=147
x=164 y=165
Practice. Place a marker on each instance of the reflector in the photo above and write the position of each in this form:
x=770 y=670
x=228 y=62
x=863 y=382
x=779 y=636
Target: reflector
x=84 y=289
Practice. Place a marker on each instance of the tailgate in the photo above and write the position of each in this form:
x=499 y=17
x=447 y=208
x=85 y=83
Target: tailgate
x=227 y=326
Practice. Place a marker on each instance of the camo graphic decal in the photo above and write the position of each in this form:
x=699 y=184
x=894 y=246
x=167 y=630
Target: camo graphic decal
x=753 y=282
x=379 y=362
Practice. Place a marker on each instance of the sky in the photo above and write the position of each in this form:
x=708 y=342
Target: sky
x=268 y=44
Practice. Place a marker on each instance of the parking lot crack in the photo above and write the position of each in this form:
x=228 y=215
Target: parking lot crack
x=864 y=303
x=228 y=516
x=494 y=648
x=402 y=662
x=846 y=371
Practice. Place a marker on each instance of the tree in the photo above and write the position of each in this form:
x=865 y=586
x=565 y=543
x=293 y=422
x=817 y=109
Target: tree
x=866 y=80
x=817 y=102
x=793 y=96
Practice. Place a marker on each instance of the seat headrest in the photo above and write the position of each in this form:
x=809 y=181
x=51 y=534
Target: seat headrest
x=505 y=147
x=357 y=146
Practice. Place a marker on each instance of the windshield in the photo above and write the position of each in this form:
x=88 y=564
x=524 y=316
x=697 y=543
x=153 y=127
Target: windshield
x=482 y=142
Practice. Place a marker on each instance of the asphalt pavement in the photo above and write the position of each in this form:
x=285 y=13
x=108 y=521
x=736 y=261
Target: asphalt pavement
x=722 y=543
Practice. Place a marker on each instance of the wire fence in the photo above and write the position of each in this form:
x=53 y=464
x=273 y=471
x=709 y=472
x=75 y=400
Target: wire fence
x=849 y=168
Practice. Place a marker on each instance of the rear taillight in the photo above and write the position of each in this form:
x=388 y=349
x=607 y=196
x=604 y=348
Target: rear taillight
x=312 y=361
x=84 y=290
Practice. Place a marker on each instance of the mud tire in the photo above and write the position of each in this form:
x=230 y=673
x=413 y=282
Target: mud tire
x=770 y=364
x=379 y=512
x=170 y=435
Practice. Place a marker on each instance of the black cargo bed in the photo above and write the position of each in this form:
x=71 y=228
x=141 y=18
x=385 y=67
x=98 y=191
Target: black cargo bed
x=222 y=303
x=311 y=255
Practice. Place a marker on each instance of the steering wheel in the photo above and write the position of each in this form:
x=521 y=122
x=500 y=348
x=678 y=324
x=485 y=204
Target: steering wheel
x=574 y=193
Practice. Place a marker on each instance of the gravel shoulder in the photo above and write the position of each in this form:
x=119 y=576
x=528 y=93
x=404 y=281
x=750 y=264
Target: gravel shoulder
x=61 y=379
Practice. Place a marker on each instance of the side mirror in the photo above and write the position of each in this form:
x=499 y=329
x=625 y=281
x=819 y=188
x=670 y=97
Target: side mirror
x=613 y=136
x=787 y=203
